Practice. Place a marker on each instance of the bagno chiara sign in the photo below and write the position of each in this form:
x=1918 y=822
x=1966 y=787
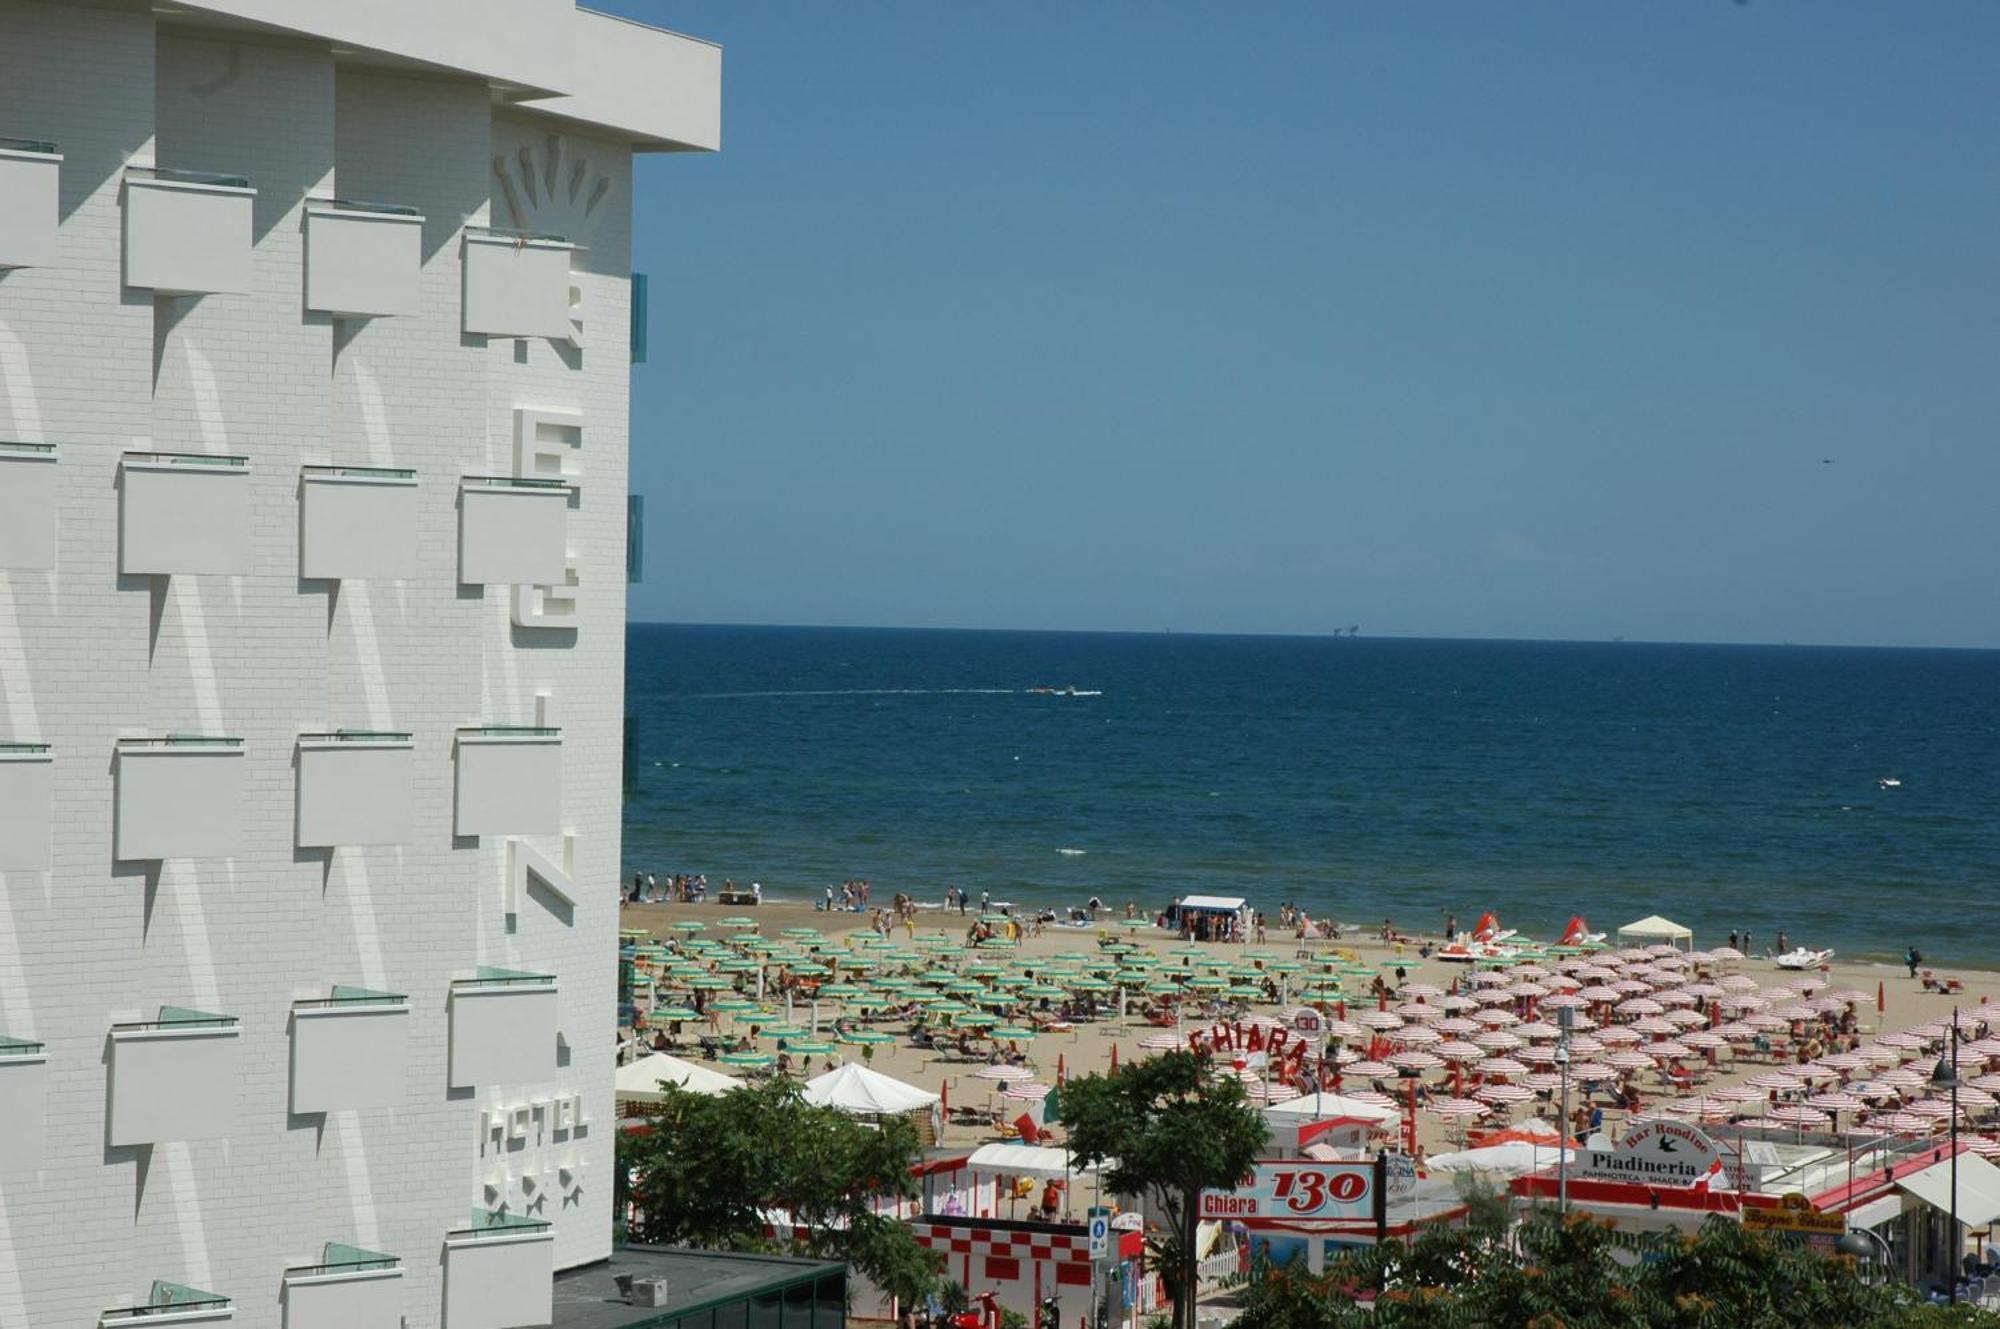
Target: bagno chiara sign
x=1656 y=1153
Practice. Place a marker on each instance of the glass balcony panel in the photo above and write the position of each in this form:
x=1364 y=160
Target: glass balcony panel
x=350 y=1288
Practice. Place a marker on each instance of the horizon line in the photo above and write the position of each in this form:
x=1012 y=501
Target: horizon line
x=1307 y=636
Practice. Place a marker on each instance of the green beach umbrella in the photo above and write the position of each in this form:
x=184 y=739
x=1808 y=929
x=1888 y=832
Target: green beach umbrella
x=746 y=1059
x=732 y=1006
x=674 y=1013
x=808 y=1047
x=867 y=1037
x=1014 y=1031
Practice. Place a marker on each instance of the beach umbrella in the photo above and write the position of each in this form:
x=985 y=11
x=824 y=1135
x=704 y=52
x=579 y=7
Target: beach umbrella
x=1161 y=1042
x=1798 y=1114
x=1013 y=1031
x=1630 y=1061
x=1456 y=1107
x=750 y=1059
x=1415 y=1036
x=867 y=1037
x=1003 y=1074
x=1458 y=1050
x=1374 y=1070
x=1503 y=1093
x=806 y=1047
x=1026 y=1090
x=1415 y=1061
x=1668 y=1048
x=1501 y=1066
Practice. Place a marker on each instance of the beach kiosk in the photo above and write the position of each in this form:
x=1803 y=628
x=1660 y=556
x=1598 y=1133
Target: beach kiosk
x=1213 y=917
x=1653 y=930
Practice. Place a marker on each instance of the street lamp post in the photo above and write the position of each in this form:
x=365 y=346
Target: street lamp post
x=1565 y=1021
x=1861 y=1243
x=1946 y=1073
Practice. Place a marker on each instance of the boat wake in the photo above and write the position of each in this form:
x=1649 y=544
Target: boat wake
x=1072 y=853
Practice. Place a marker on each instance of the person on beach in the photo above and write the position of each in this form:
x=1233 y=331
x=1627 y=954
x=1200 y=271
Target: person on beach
x=1450 y=928
x=1913 y=957
x=1732 y=940
x=1781 y=947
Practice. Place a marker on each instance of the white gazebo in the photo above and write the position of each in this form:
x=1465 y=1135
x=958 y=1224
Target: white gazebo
x=1652 y=930
x=853 y=1088
x=639 y=1081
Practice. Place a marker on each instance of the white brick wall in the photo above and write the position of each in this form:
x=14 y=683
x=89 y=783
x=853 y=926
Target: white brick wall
x=87 y=655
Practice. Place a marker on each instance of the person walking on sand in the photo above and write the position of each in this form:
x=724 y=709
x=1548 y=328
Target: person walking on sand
x=1913 y=957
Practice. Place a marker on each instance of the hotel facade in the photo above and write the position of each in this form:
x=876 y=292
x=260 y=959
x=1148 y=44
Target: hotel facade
x=316 y=329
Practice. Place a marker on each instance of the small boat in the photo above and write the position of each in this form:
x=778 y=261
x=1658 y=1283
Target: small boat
x=1802 y=957
x=1890 y=782
x=1578 y=933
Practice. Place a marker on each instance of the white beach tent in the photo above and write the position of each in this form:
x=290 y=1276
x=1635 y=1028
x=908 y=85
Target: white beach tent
x=1027 y=1160
x=1653 y=929
x=639 y=1081
x=856 y=1089
x=1516 y=1158
x=1324 y=1107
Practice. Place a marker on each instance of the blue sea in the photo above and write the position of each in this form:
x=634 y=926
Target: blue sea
x=1726 y=787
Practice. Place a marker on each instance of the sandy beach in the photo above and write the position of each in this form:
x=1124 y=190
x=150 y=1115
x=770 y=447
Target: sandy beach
x=1088 y=1047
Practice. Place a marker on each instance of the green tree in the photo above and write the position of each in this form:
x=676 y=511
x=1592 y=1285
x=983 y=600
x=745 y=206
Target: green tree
x=1166 y=1129
x=709 y=1166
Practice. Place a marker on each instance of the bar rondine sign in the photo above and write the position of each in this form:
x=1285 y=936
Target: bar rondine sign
x=1297 y=1191
x=1657 y=1153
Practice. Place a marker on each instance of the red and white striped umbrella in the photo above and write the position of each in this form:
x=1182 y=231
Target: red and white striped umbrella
x=1373 y=1099
x=1542 y=1081
x=1836 y=1102
x=1504 y=1093
x=1421 y=990
x=1496 y=1016
x=1160 y=1042
x=1619 y=1033
x=1415 y=1035
x=1456 y=1001
x=1497 y=1040
x=1005 y=1073
x=1652 y=1024
x=1685 y=1019
x=1668 y=1048
x=1538 y=1029
x=1457 y=1024
x=1566 y=1001
x=1459 y=1050
x=1370 y=1070
x=1415 y=1061
x=1630 y=1061
x=1419 y=1013
x=1592 y=1070
x=1502 y=1066
x=1456 y=1107
x=1773 y=1080
x=1026 y=1091
x=1734 y=1093
x=1379 y=1019
x=1704 y=1039
x=1639 y=1006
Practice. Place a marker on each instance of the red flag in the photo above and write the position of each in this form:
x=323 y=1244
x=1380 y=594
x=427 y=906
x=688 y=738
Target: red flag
x=1030 y=1132
x=1881 y=998
x=1114 y=1059
x=944 y=1095
x=1059 y=1068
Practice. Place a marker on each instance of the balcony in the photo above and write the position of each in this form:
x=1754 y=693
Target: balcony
x=184 y=512
x=24 y=1079
x=357 y=522
x=178 y=797
x=354 y=788
x=173 y=1078
x=27 y=801
x=173 y=1303
x=349 y=1050
x=30 y=176
x=363 y=259
x=187 y=232
x=27 y=492
x=512 y=531
x=350 y=1288
x=516 y=284
x=509 y=781
x=503 y=1028
x=499 y=1273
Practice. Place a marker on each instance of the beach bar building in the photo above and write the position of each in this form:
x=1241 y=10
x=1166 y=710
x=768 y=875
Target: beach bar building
x=317 y=326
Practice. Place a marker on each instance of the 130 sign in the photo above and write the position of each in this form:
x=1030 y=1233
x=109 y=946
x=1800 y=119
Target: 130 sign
x=1297 y=1191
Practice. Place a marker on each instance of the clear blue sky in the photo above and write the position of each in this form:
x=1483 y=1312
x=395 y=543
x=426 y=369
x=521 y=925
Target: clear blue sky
x=1478 y=319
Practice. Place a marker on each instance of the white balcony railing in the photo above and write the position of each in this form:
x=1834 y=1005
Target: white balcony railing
x=178 y=796
x=183 y=512
x=503 y=1029
x=498 y=1273
x=173 y=1078
x=516 y=284
x=509 y=781
x=357 y=522
x=354 y=788
x=363 y=260
x=27 y=804
x=28 y=492
x=349 y=1050
x=512 y=531
x=346 y=1288
x=30 y=182
x=187 y=232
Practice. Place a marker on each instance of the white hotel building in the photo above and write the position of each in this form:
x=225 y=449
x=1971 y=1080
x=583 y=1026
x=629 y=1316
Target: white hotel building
x=315 y=335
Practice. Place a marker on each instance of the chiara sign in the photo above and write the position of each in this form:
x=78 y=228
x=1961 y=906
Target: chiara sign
x=1278 y=1045
x=1287 y=1191
x=1656 y=1153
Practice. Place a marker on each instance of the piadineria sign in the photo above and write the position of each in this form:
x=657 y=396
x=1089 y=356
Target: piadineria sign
x=1656 y=1153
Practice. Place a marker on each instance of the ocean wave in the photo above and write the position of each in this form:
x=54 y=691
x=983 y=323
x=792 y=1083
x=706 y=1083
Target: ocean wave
x=1072 y=853
x=848 y=692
